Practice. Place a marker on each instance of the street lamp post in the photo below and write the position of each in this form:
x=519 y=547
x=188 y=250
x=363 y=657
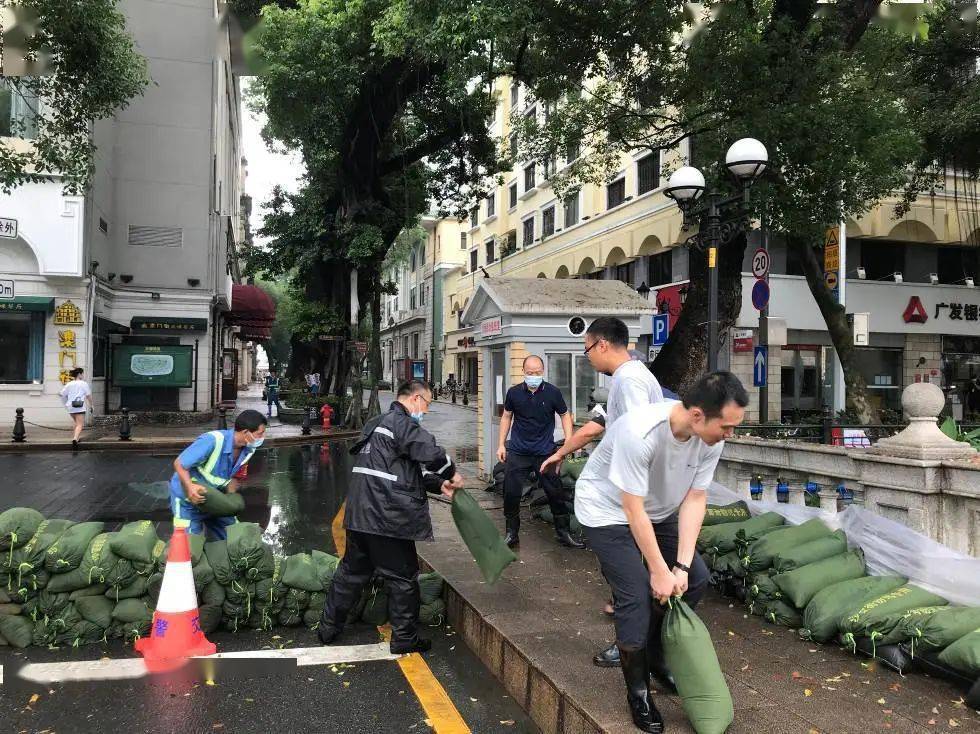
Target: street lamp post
x=723 y=218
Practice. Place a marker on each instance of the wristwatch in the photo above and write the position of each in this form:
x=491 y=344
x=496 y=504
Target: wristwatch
x=682 y=567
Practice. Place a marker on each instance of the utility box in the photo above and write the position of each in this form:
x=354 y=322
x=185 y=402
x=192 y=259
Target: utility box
x=860 y=328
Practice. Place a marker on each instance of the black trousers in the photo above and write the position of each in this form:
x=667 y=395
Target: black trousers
x=516 y=470
x=397 y=562
x=638 y=616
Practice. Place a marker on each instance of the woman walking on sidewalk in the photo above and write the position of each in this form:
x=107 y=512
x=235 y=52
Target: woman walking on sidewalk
x=76 y=394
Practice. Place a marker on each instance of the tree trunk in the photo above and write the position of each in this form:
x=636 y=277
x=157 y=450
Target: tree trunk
x=834 y=315
x=374 y=348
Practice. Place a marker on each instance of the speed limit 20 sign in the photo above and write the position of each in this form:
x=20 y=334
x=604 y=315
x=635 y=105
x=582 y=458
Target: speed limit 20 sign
x=760 y=264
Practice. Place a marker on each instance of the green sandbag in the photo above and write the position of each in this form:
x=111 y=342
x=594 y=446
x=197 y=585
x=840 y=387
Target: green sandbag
x=942 y=628
x=326 y=567
x=11 y=609
x=158 y=561
x=301 y=573
x=545 y=514
x=779 y=612
x=964 y=654
x=82 y=633
x=17 y=526
x=30 y=556
x=296 y=600
x=93 y=590
x=71 y=581
x=132 y=610
x=270 y=592
x=430 y=587
x=217 y=553
x=788 y=559
x=878 y=617
x=98 y=560
x=213 y=595
x=4 y=596
x=719 y=514
x=311 y=618
x=222 y=504
x=481 y=536
x=800 y=585
x=17 y=631
x=203 y=573
x=129 y=631
x=728 y=563
x=121 y=574
x=761 y=553
x=153 y=585
x=573 y=467
x=3 y=641
x=46 y=604
x=28 y=585
x=376 y=609
x=761 y=586
x=209 y=617
x=133 y=590
x=135 y=541
x=899 y=623
x=721 y=538
x=690 y=655
x=290 y=618
x=66 y=553
x=96 y=609
x=742 y=543
x=55 y=627
x=822 y=616
x=245 y=547
x=433 y=613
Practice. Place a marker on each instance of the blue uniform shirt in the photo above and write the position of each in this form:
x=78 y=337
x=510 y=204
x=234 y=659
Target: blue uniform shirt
x=533 y=431
x=197 y=455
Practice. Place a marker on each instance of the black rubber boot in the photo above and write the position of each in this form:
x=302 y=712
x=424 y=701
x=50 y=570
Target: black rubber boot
x=403 y=614
x=513 y=528
x=608 y=658
x=421 y=644
x=563 y=532
x=659 y=672
x=646 y=717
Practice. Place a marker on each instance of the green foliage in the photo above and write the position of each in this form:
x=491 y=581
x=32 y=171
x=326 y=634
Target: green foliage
x=94 y=70
x=951 y=429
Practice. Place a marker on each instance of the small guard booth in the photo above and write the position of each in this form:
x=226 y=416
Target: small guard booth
x=515 y=317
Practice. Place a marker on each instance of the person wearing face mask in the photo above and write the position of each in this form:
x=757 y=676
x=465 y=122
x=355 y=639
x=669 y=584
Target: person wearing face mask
x=529 y=417
x=210 y=463
x=395 y=463
x=641 y=499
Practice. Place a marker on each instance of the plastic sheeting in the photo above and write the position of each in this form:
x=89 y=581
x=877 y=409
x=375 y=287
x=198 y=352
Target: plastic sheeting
x=890 y=548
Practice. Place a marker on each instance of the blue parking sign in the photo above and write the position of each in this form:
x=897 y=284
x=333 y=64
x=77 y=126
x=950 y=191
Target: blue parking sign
x=661 y=329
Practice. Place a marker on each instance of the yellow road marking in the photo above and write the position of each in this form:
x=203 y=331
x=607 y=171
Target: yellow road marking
x=337 y=530
x=438 y=707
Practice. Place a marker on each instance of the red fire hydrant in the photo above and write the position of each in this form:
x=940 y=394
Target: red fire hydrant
x=326 y=414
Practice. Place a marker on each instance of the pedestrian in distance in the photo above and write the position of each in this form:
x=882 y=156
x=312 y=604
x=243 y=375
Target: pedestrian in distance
x=386 y=513
x=313 y=381
x=272 y=391
x=78 y=401
x=529 y=417
x=641 y=499
x=209 y=464
x=633 y=386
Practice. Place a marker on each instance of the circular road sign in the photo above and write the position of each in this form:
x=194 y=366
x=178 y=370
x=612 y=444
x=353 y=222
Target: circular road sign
x=760 y=295
x=831 y=279
x=760 y=263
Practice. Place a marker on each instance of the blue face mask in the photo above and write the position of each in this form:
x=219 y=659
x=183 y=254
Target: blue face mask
x=417 y=417
x=533 y=381
x=256 y=443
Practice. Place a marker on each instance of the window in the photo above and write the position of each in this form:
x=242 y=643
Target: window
x=576 y=385
x=512 y=141
x=491 y=251
x=515 y=92
x=491 y=205
x=597 y=275
x=548 y=222
x=473 y=255
x=414 y=264
x=585 y=376
x=625 y=273
x=571 y=210
x=616 y=193
x=572 y=151
x=21 y=347
x=660 y=269
x=528 y=239
x=18 y=111
x=415 y=345
x=529 y=178
x=881 y=260
x=648 y=173
x=412 y=298
x=462 y=240
x=513 y=195
x=882 y=372
x=955 y=264
x=422 y=294
x=474 y=217
x=549 y=169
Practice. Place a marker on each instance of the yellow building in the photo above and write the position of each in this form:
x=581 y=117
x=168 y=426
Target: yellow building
x=628 y=230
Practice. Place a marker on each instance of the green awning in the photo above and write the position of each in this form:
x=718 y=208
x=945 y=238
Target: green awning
x=27 y=303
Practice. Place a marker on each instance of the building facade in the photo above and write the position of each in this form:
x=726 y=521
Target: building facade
x=628 y=230
x=134 y=281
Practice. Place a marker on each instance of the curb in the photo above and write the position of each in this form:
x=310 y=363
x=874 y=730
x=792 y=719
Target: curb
x=151 y=444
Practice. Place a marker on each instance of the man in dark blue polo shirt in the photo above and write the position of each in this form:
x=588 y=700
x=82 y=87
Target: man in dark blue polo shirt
x=530 y=409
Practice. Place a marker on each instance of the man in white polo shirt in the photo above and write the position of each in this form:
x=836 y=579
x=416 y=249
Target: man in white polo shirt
x=641 y=500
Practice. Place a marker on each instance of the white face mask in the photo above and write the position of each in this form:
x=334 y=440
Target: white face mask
x=256 y=443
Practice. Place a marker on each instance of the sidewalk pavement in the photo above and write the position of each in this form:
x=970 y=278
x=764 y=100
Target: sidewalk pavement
x=157 y=436
x=539 y=626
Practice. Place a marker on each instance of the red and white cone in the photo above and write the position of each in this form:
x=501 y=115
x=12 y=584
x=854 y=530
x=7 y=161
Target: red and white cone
x=176 y=634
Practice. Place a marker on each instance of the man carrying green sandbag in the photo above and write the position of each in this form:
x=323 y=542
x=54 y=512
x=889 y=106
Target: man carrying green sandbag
x=386 y=514
x=209 y=465
x=641 y=500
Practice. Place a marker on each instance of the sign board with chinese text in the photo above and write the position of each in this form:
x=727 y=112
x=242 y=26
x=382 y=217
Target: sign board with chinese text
x=166 y=325
x=8 y=228
x=28 y=303
x=491 y=327
x=152 y=366
x=831 y=249
x=742 y=340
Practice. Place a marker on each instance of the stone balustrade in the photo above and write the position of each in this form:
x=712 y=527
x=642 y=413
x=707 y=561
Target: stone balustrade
x=919 y=477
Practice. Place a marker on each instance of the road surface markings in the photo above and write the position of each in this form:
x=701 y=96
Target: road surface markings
x=124 y=668
x=438 y=707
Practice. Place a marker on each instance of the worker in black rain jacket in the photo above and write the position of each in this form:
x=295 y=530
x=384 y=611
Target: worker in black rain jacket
x=387 y=511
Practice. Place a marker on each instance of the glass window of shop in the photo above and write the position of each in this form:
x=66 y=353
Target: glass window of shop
x=21 y=348
x=576 y=380
x=961 y=377
x=882 y=372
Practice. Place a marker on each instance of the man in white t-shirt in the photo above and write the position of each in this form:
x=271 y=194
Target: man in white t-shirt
x=641 y=500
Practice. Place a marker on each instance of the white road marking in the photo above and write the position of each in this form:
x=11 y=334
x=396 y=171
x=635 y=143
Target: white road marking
x=127 y=668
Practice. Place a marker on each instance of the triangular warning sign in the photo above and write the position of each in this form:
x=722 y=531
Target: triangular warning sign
x=831 y=239
x=915 y=312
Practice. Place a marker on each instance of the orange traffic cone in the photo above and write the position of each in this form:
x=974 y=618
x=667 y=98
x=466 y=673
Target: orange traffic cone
x=176 y=634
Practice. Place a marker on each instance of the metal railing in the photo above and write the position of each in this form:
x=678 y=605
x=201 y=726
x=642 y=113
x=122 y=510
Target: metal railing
x=827 y=432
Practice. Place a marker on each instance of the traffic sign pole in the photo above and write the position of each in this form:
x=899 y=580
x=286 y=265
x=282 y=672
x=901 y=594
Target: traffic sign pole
x=764 y=321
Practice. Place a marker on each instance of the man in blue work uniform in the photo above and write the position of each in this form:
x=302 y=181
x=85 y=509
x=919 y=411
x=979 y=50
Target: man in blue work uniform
x=272 y=391
x=211 y=462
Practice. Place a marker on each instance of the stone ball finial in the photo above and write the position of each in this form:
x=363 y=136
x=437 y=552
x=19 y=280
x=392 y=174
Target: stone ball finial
x=923 y=400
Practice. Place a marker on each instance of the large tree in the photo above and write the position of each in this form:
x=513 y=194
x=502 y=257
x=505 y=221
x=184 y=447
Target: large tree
x=72 y=62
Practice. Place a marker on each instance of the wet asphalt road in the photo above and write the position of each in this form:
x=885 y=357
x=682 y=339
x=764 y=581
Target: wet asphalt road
x=294 y=493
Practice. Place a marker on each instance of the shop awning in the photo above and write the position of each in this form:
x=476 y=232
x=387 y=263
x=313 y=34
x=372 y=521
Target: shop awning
x=253 y=310
x=27 y=303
